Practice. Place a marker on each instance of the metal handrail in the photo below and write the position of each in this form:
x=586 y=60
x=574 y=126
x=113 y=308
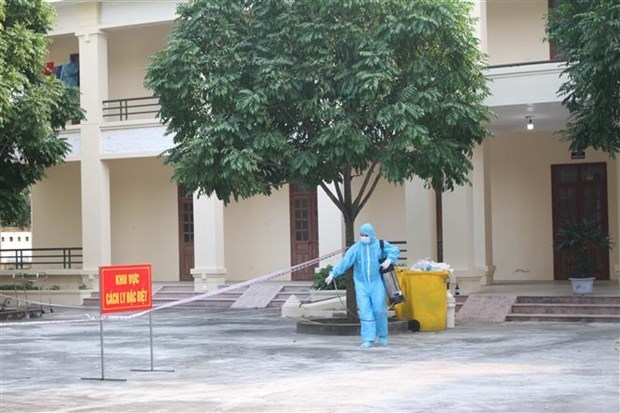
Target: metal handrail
x=126 y=107
x=21 y=258
x=518 y=64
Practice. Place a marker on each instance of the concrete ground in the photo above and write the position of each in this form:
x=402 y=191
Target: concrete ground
x=254 y=361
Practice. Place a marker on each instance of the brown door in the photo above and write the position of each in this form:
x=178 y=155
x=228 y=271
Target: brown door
x=580 y=192
x=186 y=234
x=304 y=229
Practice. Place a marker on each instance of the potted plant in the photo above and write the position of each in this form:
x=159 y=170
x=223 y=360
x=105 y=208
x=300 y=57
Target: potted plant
x=322 y=274
x=580 y=240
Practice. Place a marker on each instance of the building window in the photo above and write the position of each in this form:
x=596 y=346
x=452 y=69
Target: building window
x=19 y=239
x=27 y=239
x=10 y=239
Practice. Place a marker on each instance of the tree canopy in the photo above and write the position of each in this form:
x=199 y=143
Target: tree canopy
x=32 y=106
x=587 y=35
x=261 y=93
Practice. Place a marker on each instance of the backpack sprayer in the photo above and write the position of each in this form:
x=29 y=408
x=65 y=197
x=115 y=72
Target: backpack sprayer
x=392 y=287
x=395 y=294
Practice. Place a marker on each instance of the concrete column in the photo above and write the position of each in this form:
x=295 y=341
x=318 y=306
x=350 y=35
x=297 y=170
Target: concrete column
x=95 y=174
x=209 y=271
x=420 y=216
x=467 y=228
x=479 y=11
x=481 y=198
x=331 y=227
x=459 y=237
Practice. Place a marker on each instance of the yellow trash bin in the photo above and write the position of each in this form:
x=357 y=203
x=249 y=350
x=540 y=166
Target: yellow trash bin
x=426 y=298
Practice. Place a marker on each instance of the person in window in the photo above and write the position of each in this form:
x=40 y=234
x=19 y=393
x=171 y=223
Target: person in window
x=70 y=72
x=366 y=257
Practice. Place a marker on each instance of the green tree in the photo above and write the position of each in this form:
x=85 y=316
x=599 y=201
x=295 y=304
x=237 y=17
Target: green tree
x=32 y=106
x=587 y=35
x=262 y=93
x=19 y=213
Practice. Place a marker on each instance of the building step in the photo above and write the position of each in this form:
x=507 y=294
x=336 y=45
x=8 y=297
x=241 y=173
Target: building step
x=180 y=296
x=571 y=299
x=175 y=289
x=459 y=300
x=590 y=318
x=545 y=308
x=174 y=292
x=204 y=302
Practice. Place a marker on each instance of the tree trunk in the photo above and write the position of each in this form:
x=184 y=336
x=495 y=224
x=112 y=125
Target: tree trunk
x=349 y=225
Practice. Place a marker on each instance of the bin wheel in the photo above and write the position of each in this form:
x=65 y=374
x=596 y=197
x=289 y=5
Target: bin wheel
x=413 y=325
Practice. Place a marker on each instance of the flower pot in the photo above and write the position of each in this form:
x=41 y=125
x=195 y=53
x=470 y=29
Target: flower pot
x=581 y=286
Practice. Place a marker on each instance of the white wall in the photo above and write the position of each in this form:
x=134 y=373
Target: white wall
x=257 y=236
x=515 y=31
x=385 y=210
x=144 y=216
x=129 y=51
x=56 y=208
x=136 y=12
x=331 y=227
x=521 y=202
x=113 y=14
x=66 y=18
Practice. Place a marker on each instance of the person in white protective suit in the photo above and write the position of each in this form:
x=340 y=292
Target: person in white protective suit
x=366 y=257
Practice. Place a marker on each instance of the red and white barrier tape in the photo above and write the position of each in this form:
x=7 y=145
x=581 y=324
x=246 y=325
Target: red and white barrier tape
x=247 y=283
x=49 y=304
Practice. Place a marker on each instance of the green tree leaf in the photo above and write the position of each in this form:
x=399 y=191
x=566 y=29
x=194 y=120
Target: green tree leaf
x=258 y=94
x=587 y=35
x=32 y=106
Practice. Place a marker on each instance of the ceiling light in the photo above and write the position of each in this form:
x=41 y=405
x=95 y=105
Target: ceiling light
x=530 y=124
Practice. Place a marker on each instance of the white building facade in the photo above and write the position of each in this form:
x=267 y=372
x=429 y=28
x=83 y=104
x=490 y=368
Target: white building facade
x=114 y=195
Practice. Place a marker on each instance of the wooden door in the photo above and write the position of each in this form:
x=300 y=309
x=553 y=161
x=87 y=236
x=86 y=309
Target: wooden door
x=304 y=229
x=579 y=192
x=186 y=233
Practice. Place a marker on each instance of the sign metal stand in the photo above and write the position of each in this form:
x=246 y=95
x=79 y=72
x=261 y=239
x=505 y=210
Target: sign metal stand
x=151 y=336
x=102 y=363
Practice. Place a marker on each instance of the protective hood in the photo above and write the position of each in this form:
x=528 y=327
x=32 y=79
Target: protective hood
x=368 y=229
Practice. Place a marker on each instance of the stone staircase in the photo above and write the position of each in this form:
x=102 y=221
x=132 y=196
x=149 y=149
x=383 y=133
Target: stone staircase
x=174 y=292
x=566 y=308
x=605 y=309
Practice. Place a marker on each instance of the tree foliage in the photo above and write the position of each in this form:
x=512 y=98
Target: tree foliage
x=19 y=215
x=587 y=34
x=262 y=93
x=32 y=106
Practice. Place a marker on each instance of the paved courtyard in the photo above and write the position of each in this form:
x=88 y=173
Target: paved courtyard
x=254 y=361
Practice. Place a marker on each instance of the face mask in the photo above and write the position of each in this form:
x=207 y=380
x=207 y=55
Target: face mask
x=365 y=239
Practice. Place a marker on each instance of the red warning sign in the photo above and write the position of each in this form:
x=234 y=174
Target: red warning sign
x=125 y=288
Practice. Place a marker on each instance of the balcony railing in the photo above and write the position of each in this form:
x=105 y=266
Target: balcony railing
x=20 y=258
x=131 y=108
x=402 y=259
x=519 y=64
